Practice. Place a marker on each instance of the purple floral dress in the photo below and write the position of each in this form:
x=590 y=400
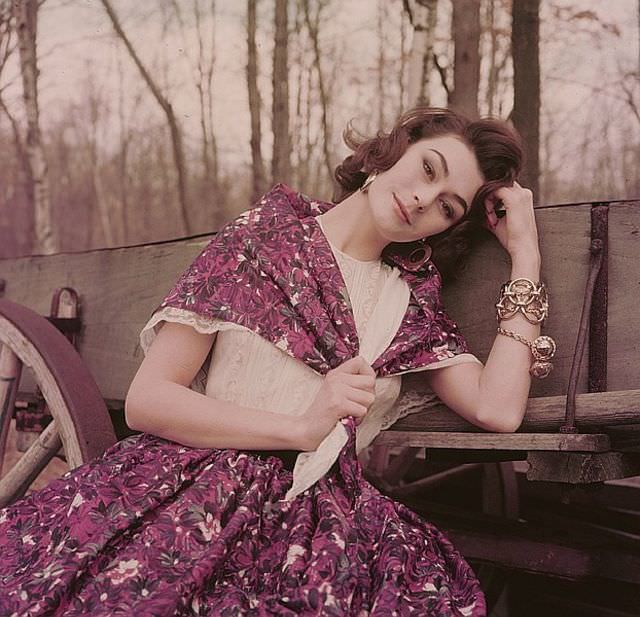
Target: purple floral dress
x=152 y=527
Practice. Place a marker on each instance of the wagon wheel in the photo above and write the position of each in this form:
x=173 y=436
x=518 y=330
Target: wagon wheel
x=499 y=495
x=81 y=422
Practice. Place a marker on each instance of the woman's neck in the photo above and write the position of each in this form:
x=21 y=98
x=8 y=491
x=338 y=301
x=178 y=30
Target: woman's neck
x=349 y=227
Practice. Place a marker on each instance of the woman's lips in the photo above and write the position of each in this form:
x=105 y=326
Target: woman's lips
x=401 y=210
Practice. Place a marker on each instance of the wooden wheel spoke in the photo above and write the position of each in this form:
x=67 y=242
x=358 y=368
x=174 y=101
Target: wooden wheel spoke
x=32 y=462
x=10 y=372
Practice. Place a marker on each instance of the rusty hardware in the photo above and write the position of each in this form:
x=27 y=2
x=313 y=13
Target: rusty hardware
x=594 y=317
x=66 y=300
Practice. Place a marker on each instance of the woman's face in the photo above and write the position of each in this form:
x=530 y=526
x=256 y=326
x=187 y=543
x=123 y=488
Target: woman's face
x=429 y=189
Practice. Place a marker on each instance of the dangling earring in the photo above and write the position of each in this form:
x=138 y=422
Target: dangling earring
x=418 y=257
x=367 y=183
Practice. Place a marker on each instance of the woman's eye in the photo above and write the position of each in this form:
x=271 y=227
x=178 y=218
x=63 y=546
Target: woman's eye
x=447 y=209
x=428 y=168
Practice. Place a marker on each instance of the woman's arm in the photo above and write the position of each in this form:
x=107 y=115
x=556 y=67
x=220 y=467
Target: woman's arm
x=159 y=401
x=495 y=396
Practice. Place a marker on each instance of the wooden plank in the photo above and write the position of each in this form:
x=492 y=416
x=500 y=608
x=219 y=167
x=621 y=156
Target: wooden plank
x=118 y=289
x=564 y=245
x=496 y=441
x=581 y=468
x=624 y=294
x=530 y=547
x=547 y=557
x=544 y=414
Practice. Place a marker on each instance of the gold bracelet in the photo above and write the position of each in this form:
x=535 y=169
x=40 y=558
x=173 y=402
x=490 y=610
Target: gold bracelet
x=522 y=295
x=543 y=349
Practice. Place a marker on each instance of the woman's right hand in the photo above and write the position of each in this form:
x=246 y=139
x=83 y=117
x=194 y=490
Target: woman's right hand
x=347 y=390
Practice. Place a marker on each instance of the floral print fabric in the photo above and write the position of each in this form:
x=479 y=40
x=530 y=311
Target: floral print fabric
x=153 y=528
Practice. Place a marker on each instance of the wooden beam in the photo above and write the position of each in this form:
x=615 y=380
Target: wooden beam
x=547 y=557
x=545 y=414
x=499 y=441
x=581 y=468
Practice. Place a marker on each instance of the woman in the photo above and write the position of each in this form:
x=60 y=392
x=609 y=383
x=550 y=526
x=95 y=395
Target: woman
x=301 y=315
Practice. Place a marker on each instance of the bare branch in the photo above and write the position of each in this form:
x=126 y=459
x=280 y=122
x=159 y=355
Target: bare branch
x=176 y=134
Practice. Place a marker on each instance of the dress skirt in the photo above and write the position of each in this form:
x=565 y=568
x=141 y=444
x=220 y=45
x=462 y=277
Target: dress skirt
x=154 y=528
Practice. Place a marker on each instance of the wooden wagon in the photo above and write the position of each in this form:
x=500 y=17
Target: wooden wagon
x=557 y=498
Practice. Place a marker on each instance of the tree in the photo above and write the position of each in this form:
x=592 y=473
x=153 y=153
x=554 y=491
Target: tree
x=423 y=15
x=525 y=35
x=165 y=104
x=281 y=161
x=202 y=69
x=313 y=27
x=465 y=26
x=259 y=180
x=26 y=19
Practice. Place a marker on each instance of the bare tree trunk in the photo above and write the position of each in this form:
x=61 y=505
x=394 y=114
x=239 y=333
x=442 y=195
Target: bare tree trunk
x=423 y=15
x=176 y=134
x=204 y=86
x=313 y=27
x=493 y=49
x=298 y=117
x=465 y=25
x=123 y=176
x=103 y=203
x=26 y=16
x=259 y=180
x=382 y=61
x=526 y=84
x=403 y=63
x=281 y=161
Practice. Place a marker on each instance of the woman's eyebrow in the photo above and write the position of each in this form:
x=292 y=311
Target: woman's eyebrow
x=461 y=201
x=442 y=160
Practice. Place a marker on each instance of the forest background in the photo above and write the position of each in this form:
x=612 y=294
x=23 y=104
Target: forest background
x=125 y=122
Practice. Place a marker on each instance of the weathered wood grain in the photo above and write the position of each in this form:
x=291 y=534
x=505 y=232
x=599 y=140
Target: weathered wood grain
x=496 y=441
x=118 y=290
x=580 y=467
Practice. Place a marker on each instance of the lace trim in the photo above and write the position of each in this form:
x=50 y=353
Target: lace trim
x=204 y=325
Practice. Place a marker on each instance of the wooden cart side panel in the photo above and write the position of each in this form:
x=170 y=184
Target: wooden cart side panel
x=564 y=244
x=120 y=287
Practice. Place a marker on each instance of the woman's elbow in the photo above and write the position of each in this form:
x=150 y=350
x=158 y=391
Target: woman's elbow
x=499 y=423
x=133 y=405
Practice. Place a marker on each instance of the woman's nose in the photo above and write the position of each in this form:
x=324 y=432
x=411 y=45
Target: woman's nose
x=423 y=197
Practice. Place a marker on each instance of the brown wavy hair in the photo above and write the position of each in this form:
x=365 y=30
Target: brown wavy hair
x=496 y=145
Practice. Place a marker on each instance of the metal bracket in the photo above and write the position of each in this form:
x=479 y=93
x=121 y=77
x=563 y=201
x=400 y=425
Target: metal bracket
x=594 y=311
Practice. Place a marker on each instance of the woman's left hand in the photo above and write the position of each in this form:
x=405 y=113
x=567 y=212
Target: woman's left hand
x=516 y=231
